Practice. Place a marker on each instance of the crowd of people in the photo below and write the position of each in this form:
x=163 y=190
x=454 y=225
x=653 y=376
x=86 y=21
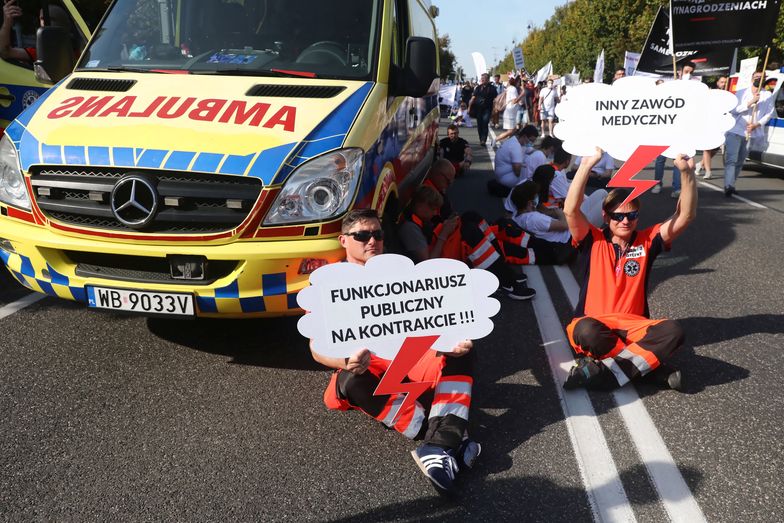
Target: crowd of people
x=557 y=210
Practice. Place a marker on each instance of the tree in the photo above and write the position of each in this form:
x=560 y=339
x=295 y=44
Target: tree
x=446 y=57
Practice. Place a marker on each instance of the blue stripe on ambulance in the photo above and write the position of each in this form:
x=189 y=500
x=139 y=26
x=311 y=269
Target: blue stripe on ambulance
x=273 y=284
x=329 y=134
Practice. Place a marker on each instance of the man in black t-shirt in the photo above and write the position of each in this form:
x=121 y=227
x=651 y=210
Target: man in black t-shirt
x=481 y=106
x=456 y=150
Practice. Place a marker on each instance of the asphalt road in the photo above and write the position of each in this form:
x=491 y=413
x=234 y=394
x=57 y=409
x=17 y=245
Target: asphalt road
x=112 y=417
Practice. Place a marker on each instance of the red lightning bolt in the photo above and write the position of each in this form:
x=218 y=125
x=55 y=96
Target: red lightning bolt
x=641 y=157
x=410 y=353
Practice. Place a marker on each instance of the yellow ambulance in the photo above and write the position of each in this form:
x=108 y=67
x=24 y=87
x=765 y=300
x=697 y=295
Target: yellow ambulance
x=201 y=155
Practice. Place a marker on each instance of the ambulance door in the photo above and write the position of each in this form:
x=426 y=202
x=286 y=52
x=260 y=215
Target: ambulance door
x=18 y=86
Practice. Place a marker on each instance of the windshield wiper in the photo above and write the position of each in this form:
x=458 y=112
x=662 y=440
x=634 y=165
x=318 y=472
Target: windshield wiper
x=122 y=68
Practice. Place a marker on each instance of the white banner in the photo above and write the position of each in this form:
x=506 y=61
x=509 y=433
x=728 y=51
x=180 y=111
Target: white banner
x=519 y=61
x=447 y=95
x=598 y=72
x=630 y=61
x=682 y=116
x=378 y=305
x=747 y=68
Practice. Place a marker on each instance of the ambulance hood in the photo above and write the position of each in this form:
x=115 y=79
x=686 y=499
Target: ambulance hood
x=220 y=124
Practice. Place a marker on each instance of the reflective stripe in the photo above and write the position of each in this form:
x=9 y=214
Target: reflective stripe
x=488 y=261
x=417 y=418
x=485 y=228
x=531 y=257
x=416 y=422
x=442 y=409
x=637 y=360
x=453 y=387
x=389 y=419
x=620 y=376
x=480 y=250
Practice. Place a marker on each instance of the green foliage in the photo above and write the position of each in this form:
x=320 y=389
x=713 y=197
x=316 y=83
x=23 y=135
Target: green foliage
x=446 y=57
x=577 y=31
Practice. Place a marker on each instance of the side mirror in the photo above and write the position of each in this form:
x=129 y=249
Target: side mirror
x=55 y=54
x=419 y=71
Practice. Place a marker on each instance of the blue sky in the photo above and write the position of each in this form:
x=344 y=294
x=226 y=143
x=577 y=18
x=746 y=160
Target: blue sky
x=488 y=26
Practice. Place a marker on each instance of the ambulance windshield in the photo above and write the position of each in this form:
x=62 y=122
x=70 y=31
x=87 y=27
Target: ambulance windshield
x=313 y=38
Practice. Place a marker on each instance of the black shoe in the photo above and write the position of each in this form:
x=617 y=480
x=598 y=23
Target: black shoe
x=591 y=374
x=729 y=191
x=518 y=291
x=521 y=278
x=667 y=377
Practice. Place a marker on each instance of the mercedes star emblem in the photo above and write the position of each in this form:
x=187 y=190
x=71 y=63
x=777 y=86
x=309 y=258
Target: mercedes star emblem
x=135 y=201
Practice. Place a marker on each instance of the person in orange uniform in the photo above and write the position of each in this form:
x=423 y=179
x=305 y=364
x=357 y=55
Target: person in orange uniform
x=442 y=422
x=612 y=333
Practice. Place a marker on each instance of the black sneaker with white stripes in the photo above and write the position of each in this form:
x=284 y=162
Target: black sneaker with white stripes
x=518 y=291
x=438 y=465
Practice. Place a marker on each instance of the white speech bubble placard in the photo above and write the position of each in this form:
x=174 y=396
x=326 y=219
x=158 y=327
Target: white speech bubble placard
x=380 y=304
x=685 y=115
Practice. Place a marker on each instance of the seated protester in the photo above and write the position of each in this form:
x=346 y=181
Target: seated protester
x=545 y=177
x=463 y=118
x=612 y=334
x=510 y=156
x=535 y=157
x=512 y=241
x=551 y=241
x=456 y=150
x=560 y=183
x=601 y=173
x=442 y=424
x=463 y=238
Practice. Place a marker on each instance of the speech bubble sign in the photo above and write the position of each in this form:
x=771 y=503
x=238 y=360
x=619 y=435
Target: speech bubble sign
x=684 y=115
x=389 y=299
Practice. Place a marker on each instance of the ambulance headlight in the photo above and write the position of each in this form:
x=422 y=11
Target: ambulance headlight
x=318 y=190
x=12 y=184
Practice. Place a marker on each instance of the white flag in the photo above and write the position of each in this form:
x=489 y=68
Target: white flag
x=543 y=73
x=479 y=64
x=574 y=69
x=598 y=72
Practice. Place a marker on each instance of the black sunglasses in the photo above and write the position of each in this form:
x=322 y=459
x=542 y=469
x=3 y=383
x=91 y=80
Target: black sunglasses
x=364 y=236
x=619 y=216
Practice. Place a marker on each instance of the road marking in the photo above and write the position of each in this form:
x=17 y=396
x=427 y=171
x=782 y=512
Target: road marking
x=675 y=494
x=20 y=304
x=741 y=198
x=603 y=485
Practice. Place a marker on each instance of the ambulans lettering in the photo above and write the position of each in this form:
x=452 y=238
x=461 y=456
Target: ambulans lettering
x=236 y=112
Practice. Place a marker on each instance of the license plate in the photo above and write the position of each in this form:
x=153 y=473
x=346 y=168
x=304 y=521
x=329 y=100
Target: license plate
x=140 y=301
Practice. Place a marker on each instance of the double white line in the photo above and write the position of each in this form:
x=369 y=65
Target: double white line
x=605 y=491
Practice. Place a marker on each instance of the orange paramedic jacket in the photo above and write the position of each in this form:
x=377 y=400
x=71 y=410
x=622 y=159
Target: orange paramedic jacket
x=614 y=281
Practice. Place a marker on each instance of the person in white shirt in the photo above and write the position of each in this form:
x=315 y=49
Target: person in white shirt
x=548 y=97
x=601 y=172
x=551 y=240
x=754 y=109
x=509 y=160
x=534 y=158
x=512 y=100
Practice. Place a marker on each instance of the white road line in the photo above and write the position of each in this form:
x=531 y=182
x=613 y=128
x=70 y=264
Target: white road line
x=676 y=497
x=741 y=198
x=603 y=486
x=20 y=304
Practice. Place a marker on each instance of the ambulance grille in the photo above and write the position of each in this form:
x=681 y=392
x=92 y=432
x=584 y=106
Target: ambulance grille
x=100 y=84
x=188 y=203
x=142 y=269
x=295 y=91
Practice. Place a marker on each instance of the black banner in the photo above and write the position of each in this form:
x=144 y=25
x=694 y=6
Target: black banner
x=656 y=58
x=699 y=24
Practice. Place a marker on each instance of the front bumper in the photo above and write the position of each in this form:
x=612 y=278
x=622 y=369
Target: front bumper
x=264 y=283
